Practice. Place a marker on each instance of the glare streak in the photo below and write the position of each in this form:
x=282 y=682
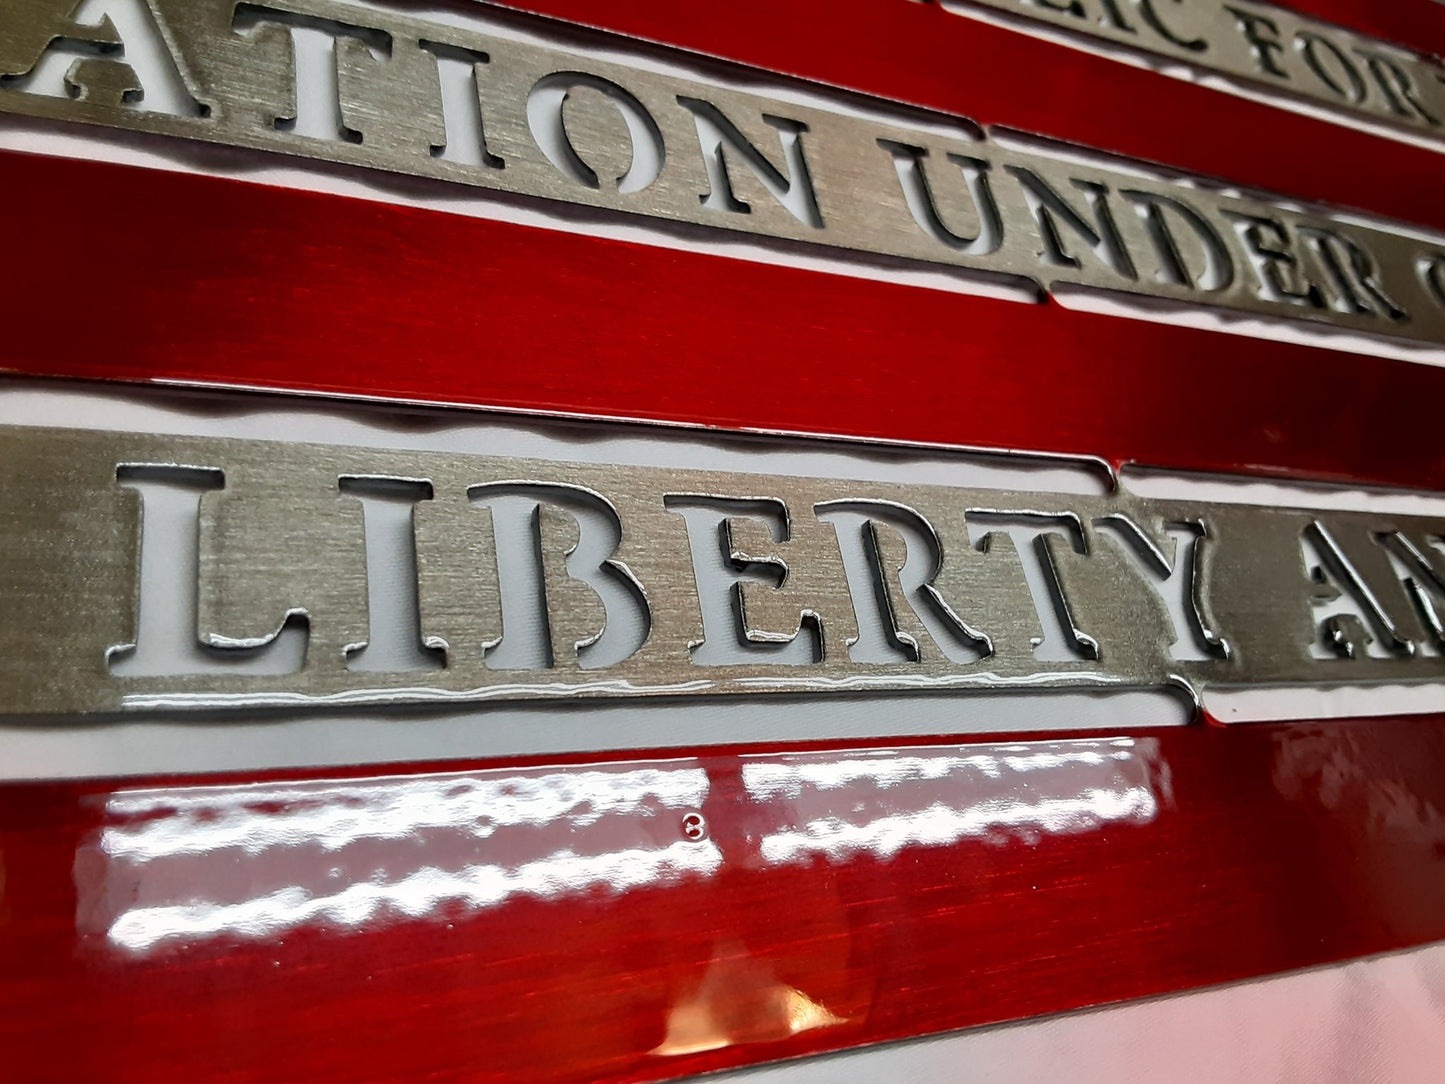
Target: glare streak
x=255 y=819
x=941 y=824
x=418 y=894
x=887 y=769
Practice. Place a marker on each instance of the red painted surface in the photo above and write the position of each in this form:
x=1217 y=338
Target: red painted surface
x=1188 y=856
x=216 y=281
x=922 y=54
x=1417 y=24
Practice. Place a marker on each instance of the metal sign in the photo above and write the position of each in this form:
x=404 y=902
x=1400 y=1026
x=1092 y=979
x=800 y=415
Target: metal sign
x=435 y=100
x=518 y=578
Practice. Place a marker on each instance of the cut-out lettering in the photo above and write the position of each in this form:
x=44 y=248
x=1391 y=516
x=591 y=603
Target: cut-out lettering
x=1332 y=66
x=546 y=118
x=104 y=52
x=908 y=162
x=289 y=575
x=720 y=140
x=725 y=572
x=886 y=589
x=318 y=47
x=1350 y=619
x=1277 y=272
x=1157 y=212
x=1423 y=579
x=1353 y=275
x=1050 y=210
x=1262 y=35
x=401 y=93
x=1161 y=26
x=566 y=600
x=1431 y=270
x=395 y=642
x=1396 y=87
x=1033 y=535
x=457 y=73
x=1175 y=581
x=167 y=640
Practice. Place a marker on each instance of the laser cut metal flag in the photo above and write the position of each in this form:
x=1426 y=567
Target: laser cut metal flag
x=583 y=915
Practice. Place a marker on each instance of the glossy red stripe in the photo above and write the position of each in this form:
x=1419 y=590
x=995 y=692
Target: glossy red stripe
x=925 y=55
x=1419 y=24
x=835 y=899
x=203 y=280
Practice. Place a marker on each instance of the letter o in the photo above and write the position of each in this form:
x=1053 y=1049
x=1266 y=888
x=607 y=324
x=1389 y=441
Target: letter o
x=544 y=118
x=1309 y=44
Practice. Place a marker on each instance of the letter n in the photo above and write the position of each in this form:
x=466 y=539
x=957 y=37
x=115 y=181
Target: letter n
x=719 y=138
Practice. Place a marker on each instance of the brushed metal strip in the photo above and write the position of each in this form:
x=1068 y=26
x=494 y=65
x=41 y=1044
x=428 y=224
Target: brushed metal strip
x=1350 y=78
x=433 y=100
x=538 y=580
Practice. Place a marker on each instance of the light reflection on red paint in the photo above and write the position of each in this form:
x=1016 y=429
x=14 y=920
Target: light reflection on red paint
x=180 y=866
x=1065 y=874
x=256 y=861
x=882 y=802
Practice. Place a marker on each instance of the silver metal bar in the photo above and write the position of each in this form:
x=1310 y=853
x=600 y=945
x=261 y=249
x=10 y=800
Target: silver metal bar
x=143 y=572
x=1276 y=53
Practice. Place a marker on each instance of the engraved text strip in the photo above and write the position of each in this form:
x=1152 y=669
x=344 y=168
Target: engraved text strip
x=334 y=575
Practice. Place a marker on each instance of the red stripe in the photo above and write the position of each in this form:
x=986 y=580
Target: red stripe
x=196 y=279
x=1418 y=24
x=922 y=54
x=1277 y=847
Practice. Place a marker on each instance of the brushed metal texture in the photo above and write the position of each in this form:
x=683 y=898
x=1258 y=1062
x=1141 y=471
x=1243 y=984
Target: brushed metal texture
x=620 y=137
x=655 y=581
x=1349 y=76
